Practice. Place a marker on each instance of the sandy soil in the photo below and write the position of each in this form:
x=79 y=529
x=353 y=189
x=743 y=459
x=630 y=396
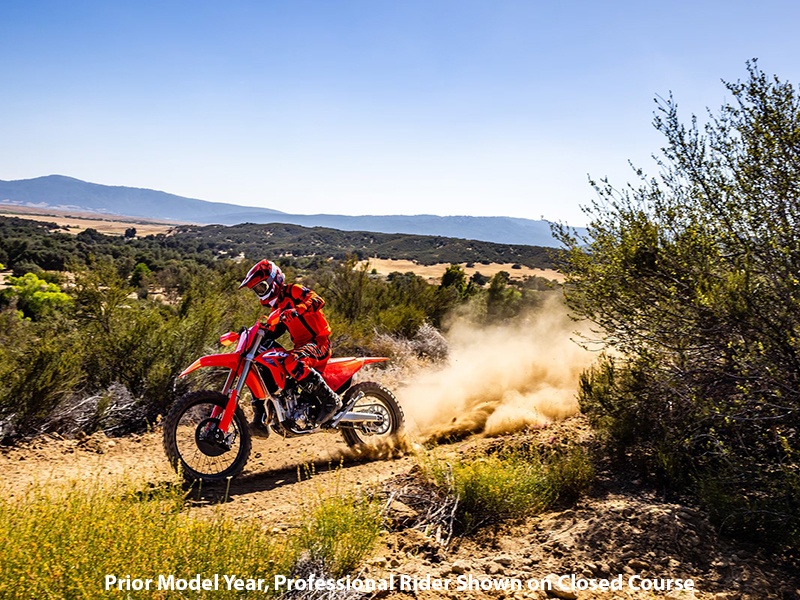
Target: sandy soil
x=277 y=479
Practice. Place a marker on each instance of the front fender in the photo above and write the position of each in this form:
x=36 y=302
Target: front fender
x=229 y=360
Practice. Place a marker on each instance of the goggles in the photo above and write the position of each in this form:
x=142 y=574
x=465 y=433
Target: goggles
x=262 y=288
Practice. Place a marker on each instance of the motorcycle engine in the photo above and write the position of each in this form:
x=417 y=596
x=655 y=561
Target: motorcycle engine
x=300 y=416
x=301 y=408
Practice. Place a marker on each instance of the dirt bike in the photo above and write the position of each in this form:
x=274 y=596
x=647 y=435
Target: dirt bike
x=206 y=433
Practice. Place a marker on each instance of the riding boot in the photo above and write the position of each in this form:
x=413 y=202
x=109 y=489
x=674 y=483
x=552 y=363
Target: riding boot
x=330 y=399
x=258 y=426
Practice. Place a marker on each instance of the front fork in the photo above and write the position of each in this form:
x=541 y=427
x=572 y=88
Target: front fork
x=226 y=415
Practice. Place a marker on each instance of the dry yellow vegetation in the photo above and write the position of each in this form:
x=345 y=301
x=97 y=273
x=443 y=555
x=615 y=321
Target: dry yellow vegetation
x=433 y=273
x=74 y=222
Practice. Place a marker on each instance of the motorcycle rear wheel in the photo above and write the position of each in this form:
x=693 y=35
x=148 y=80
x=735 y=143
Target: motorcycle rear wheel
x=378 y=400
x=194 y=458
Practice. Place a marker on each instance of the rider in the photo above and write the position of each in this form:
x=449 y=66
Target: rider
x=302 y=316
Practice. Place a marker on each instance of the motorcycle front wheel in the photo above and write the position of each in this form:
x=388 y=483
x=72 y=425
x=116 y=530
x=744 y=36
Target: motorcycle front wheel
x=190 y=448
x=377 y=400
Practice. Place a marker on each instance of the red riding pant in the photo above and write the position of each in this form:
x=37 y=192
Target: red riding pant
x=313 y=355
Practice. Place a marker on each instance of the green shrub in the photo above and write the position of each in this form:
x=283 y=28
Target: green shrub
x=692 y=279
x=45 y=372
x=338 y=532
x=511 y=484
x=570 y=473
x=401 y=320
x=36 y=297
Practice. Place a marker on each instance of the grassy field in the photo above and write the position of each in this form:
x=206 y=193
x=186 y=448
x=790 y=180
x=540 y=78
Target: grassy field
x=97 y=541
x=433 y=273
x=74 y=221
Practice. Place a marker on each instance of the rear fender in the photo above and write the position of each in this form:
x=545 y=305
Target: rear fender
x=339 y=371
x=229 y=360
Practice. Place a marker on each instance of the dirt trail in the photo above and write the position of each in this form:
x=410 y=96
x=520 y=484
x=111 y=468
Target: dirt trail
x=275 y=481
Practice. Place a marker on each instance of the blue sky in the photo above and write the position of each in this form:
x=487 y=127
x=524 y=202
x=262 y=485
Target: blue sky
x=369 y=106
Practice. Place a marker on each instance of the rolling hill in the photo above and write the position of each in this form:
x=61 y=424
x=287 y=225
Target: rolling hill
x=60 y=192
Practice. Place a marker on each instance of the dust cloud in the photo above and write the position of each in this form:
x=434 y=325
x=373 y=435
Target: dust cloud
x=499 y=379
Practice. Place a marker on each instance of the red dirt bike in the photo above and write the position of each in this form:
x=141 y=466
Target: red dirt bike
x=206 y=434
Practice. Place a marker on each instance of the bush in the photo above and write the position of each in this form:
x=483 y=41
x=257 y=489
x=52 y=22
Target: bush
x=37 y=298
x=693 y=278
x=401 y=320
x=511 y=484
x=45 y=372
x=338 y=532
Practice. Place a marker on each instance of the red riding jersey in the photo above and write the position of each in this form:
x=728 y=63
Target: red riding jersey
x=310 y=324
x=303 y=318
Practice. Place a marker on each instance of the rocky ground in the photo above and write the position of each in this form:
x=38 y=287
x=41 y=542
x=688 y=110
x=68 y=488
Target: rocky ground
x=621 y=532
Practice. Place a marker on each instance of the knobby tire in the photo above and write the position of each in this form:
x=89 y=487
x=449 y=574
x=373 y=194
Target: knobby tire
x=354 y=437
x=185 y=461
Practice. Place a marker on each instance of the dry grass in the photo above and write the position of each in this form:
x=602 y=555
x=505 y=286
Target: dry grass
x=338 y=532
x=433 y=273
x=63 y=541
x=74 y=222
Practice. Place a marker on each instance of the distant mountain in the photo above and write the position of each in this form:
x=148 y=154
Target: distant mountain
x=58 y=191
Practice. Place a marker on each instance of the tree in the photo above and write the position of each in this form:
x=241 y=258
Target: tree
x=502 y=300
x=349 y=289
x=35 y=297
x=693 y=278
x=478 y=278
x=140 y=274
x=455 y=277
